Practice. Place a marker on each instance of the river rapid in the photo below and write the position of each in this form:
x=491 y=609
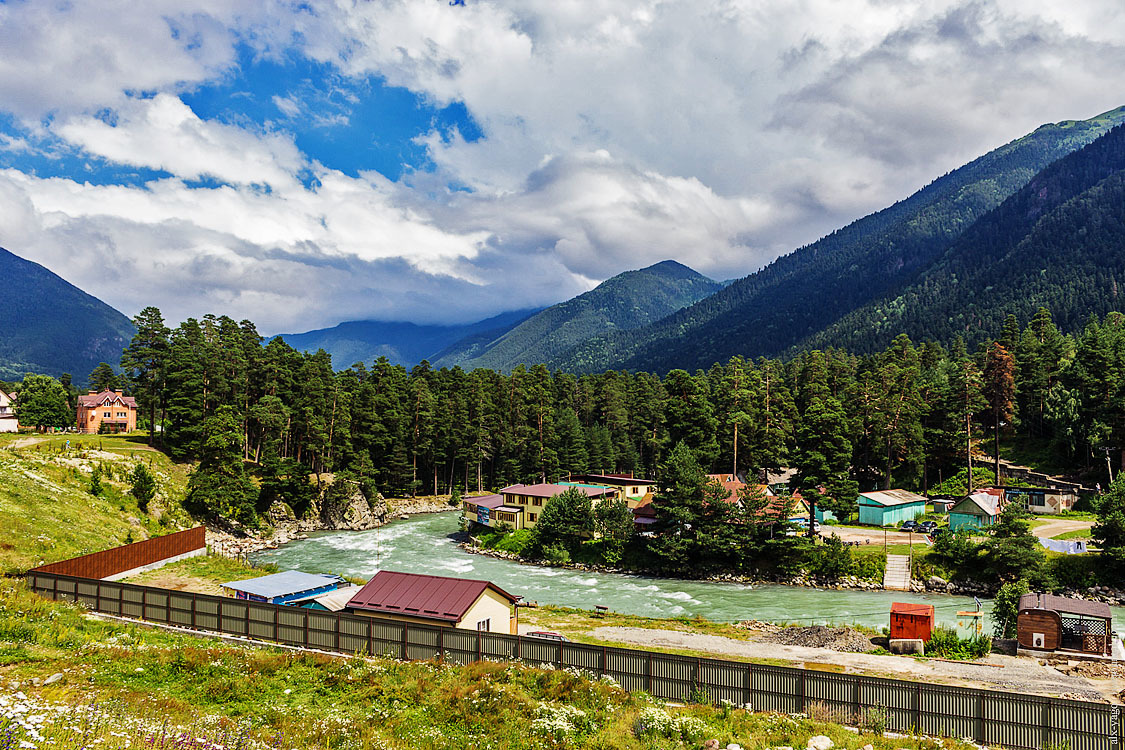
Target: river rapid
x=422 y=544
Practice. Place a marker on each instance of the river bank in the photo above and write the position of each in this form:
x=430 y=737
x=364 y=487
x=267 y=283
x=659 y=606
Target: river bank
x=933 y=585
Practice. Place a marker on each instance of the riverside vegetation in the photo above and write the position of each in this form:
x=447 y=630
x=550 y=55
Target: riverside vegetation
x=71 y=681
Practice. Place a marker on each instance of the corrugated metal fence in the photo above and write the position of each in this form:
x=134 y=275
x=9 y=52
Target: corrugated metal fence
x=988 y=717
x=111 y=562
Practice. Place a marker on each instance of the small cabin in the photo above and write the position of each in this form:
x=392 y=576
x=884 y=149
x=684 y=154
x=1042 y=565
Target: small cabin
x=437 y=600
x=976 y=511
x=1050 y=623
x=912 y=621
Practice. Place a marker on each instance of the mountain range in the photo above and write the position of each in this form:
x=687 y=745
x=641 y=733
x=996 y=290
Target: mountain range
x=1037 y=222
x=48 y=325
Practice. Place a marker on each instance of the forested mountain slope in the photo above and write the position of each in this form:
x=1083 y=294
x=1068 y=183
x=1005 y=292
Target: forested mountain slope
x=622 y=303
x=1058 y=243
x=800 y=294
x=50 y=326
x=401 y=343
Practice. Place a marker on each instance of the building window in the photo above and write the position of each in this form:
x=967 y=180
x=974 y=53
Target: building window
x=484 y=625
x=538 y=501
x=106 y=415
x=122 y=414
x=531 y=517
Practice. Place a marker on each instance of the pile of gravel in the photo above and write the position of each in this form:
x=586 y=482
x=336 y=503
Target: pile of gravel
x=819 y=636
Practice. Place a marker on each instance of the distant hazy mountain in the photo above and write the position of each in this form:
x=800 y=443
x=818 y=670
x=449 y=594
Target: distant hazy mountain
x=50 y=326
x=1058 y=243
x=788 y=303
x=401 y=343
x=622 y=303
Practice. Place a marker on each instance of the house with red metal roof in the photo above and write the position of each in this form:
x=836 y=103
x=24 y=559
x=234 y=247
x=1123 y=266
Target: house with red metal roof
x=632 y=489
x=111 y=409
x=437 y=600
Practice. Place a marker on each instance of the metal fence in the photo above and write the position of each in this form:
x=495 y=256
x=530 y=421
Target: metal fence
x=986 y=716
x=118 y=560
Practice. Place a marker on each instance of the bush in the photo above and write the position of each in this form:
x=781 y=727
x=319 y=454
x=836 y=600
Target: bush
x=515 y=542
x=144 y=486
x=832 y=560
x=556 y=554
x=1006 y=606
x=945 y=642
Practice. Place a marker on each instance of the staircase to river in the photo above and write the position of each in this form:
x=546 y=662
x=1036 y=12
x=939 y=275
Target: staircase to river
x=896 y=577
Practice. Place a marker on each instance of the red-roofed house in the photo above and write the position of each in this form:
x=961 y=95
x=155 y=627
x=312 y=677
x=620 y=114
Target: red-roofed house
x=113 y=409
x=437 y=600
x=8 y=421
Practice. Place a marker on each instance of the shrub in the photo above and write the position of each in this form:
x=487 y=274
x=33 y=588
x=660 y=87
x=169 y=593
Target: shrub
x=945 y=642
x=1006 y=606
x=516 y=542
x=556 y=554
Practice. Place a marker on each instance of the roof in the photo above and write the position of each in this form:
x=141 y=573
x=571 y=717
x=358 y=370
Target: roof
x=907 y=608
x=485 y=501
x=431 y=597
x=550 y=490
x=888 y=498
x=90 y=400
x=984 y=502
x=1066 y=606
x=285 y=583
x=333 y=601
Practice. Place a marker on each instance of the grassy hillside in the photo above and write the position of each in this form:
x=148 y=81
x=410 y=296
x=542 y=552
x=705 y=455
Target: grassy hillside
x=50 y=326
x=800 y=294
x=120 y=685
x=47 y=512
x=623 y=303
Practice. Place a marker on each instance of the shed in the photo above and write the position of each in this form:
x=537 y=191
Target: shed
x=437 y=600
x=333 y=601
x=976 y=511
x=912 y=621
x=889 y=507
x=1046 y=623
x=943 y=504
x=284 y=587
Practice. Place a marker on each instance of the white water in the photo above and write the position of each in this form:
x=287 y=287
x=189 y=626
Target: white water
x=422 y=545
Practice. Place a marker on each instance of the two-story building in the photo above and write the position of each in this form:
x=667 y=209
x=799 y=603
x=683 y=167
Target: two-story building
x=113 y=409
x=519 y=505
x=8 y=421
x=630 y=489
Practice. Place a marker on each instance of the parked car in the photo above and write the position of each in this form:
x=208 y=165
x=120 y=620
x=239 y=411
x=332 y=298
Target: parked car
x=910 y=526
x=928 y=527
x=547 y=635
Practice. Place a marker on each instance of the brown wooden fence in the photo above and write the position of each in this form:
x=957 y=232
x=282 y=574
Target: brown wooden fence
x=118 y=560
x=986 y=716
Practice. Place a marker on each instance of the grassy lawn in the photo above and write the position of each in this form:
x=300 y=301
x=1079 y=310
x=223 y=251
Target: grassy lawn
x=1076 y=534
x=121 y=685
x=47 y=512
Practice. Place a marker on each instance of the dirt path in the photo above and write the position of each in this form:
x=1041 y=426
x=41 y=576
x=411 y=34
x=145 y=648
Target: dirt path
x=873 y=536
x=996 y=672
x=1054 y=527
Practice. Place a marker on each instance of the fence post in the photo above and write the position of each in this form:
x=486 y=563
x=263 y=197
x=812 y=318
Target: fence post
x=648 y=672
x=121 y=600
x=480 y=645
x=307 y=644
x=1047 y=723
x=441 y=643
x=858 y=699
x=276 y=623
x=168 y=608
x=603 y=660
x=370 y=642
x=193 y=625
x=804 y=703
x=55 y=587
x=98 y=596
x=144 y=602
x=980 y=718
x=918 y=706
x=748 y=693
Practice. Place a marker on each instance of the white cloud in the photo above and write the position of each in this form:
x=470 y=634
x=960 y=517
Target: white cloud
x=616 y=134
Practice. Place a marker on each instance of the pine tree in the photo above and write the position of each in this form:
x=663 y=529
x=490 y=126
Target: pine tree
x=103 y=378
x=999 y=390
x=144 y=362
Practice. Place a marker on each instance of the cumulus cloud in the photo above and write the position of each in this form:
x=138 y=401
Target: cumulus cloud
x=614 y=135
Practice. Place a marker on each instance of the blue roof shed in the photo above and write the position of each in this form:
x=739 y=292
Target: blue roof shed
x=281 y=588
x=890 y=507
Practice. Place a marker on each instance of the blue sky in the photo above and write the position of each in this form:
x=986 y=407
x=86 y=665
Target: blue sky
x=304 y=164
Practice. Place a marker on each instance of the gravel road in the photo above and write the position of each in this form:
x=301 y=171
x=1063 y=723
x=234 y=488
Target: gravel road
x=996 y=672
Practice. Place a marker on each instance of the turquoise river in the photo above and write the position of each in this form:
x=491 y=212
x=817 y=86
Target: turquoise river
x=423 y=544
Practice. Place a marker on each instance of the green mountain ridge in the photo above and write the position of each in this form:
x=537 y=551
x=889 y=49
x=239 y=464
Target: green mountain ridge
x=622 y=303
x=1057 y=243
x=874 y=258
x=50 y=326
